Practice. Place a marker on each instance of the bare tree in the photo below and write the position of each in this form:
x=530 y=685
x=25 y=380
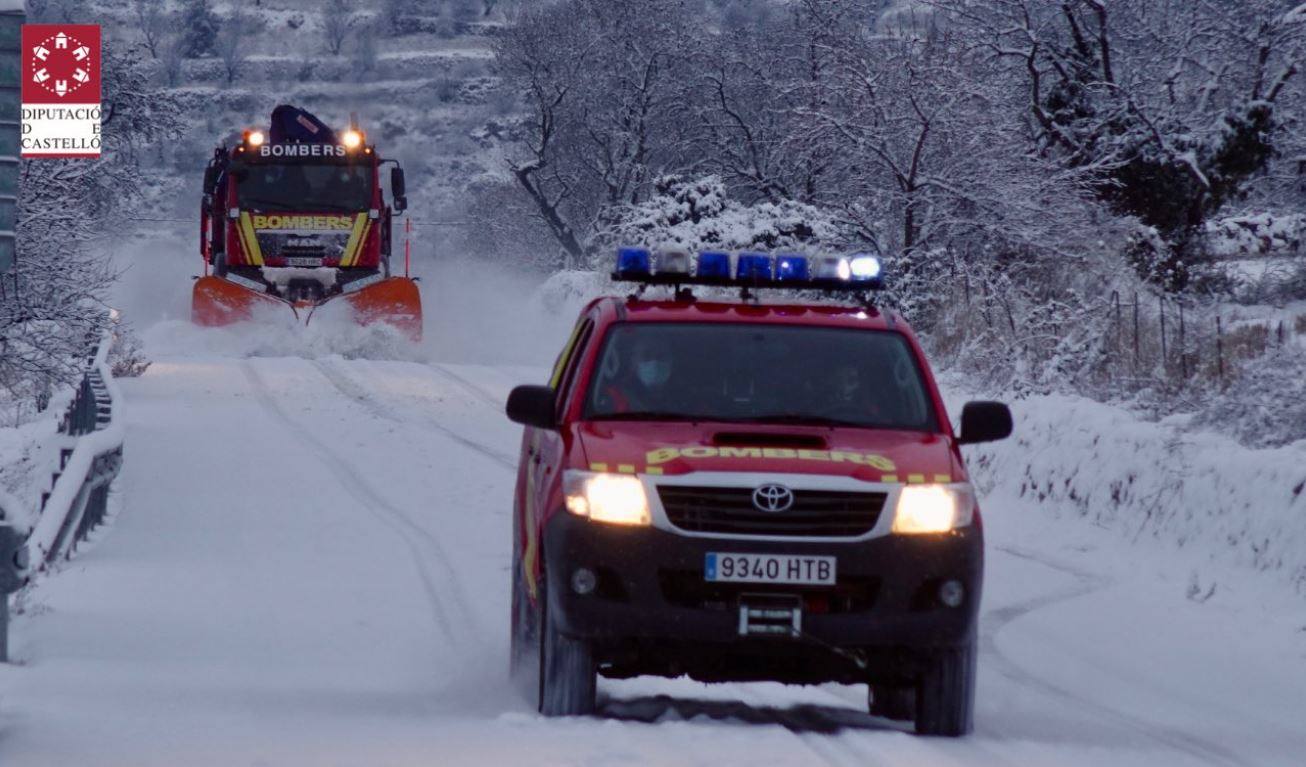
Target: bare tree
x=172 y=55
x=152 y=20
x=231 y=43
x=606 y=84
x=337 y=20
x=1172 y=105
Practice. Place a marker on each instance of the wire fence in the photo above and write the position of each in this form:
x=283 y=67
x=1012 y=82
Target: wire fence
x=1155 y=338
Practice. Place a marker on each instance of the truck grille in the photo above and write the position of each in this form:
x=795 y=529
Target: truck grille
x=730 y=510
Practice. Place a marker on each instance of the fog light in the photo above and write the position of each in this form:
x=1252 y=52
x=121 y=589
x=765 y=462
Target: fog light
x=952 y=593
x=583 y=581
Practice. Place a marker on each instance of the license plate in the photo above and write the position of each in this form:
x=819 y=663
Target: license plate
x=294 y=261
x=730 y=567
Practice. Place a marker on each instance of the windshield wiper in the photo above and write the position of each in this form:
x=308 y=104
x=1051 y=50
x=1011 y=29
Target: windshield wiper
x=334 y=207
x=300 y=206
x=648 y=416
x=797 y=419
x=256 y=201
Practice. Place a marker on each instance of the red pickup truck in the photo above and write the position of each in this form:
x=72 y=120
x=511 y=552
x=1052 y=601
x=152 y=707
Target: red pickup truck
x=736 y=490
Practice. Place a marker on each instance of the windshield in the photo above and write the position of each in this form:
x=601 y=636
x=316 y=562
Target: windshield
x=759 y=373
x=303 y=187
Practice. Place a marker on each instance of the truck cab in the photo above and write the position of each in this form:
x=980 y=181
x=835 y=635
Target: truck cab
x=297 y=215
x=738 y=490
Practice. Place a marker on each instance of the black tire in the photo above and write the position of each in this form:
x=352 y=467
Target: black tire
x=897 y=703
x=521 y=655
x=523 y=650
x=568 y=675
x=945 y=695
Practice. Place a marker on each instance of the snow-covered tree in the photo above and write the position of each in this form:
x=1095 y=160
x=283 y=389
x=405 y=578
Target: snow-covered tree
x=232 y=42
x=337 y=21
x=66 y=208
x=699 y=214
x=1171 y=105
x=152 y=22
x=199 y=27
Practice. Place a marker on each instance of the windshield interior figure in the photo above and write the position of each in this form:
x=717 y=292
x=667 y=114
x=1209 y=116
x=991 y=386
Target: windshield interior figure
x=759 y=373
x=304 y=187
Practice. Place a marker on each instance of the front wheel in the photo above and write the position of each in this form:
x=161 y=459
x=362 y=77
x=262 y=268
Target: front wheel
x=567 y=672
x=521 y=653
x=897 y=703
x=945 y=695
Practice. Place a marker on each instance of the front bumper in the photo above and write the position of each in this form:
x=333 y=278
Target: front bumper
x=652 y=612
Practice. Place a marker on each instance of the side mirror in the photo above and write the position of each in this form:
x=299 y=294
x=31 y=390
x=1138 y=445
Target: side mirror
x=210 y=178
x=532 y=406
x=398 y=190
x=984 y=422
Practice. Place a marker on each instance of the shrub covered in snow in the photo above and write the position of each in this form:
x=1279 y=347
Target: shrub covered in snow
x=699 y=214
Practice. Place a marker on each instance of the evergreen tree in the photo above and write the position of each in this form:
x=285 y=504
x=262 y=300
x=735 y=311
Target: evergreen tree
x=201 y=26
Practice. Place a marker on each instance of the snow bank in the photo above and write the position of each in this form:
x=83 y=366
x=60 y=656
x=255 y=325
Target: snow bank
x=1193 y=490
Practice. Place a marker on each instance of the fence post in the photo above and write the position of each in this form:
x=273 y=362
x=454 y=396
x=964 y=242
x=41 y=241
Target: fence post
x=1115 y=305
x=10 y=560
x=1219 y=348
x=1135 y=332
x=1183 y=348
x=1165 y=354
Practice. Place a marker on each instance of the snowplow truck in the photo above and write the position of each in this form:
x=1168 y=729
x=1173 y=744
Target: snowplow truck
x=296 y=217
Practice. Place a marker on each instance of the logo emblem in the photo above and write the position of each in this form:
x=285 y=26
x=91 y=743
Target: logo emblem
x=773 y=498
x=61 y=90
x=61 y=64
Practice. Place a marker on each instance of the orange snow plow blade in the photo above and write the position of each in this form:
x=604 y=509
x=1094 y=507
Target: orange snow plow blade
x=215 y=301
x=394 y=301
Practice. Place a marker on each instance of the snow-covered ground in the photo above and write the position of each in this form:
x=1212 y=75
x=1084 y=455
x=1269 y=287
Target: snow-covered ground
x=308 y=565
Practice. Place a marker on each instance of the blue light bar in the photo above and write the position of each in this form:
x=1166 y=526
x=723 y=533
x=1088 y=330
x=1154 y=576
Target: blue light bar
x=859 y=273
x=753 y=266
x=714 y=265
x=791 y=268
x=634 y=262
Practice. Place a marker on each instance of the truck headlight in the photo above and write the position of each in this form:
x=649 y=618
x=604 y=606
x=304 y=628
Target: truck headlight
x=933 y=508
x=618 y=499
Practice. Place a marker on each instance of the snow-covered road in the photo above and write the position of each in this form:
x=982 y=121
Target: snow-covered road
x=309 y=566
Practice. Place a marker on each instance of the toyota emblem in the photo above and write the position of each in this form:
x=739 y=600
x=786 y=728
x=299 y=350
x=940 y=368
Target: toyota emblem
x=773 y=498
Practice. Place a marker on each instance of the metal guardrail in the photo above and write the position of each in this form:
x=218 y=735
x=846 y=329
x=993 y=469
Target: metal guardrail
x=90 y=457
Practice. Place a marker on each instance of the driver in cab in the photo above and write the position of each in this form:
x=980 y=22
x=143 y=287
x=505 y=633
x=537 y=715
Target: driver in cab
x=635 y=380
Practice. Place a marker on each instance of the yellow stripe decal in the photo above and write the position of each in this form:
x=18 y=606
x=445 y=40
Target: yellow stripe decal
x=653 y=470
x=596 y=466
x=916 y=478
x=355 y=237
x=560 y=366
x=943 y=478
x=249 y=241
x=889 y=478
x=626 y=468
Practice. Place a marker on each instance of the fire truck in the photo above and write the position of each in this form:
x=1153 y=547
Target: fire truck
x=296 y=217
x=738 y=490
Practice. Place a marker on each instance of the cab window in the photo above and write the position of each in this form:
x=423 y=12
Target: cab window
x=759 y=373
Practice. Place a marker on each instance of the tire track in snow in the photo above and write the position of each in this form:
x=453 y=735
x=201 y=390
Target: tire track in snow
x=350 y=388
x=479 y=392
x=997 y=619
x=357 y=487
